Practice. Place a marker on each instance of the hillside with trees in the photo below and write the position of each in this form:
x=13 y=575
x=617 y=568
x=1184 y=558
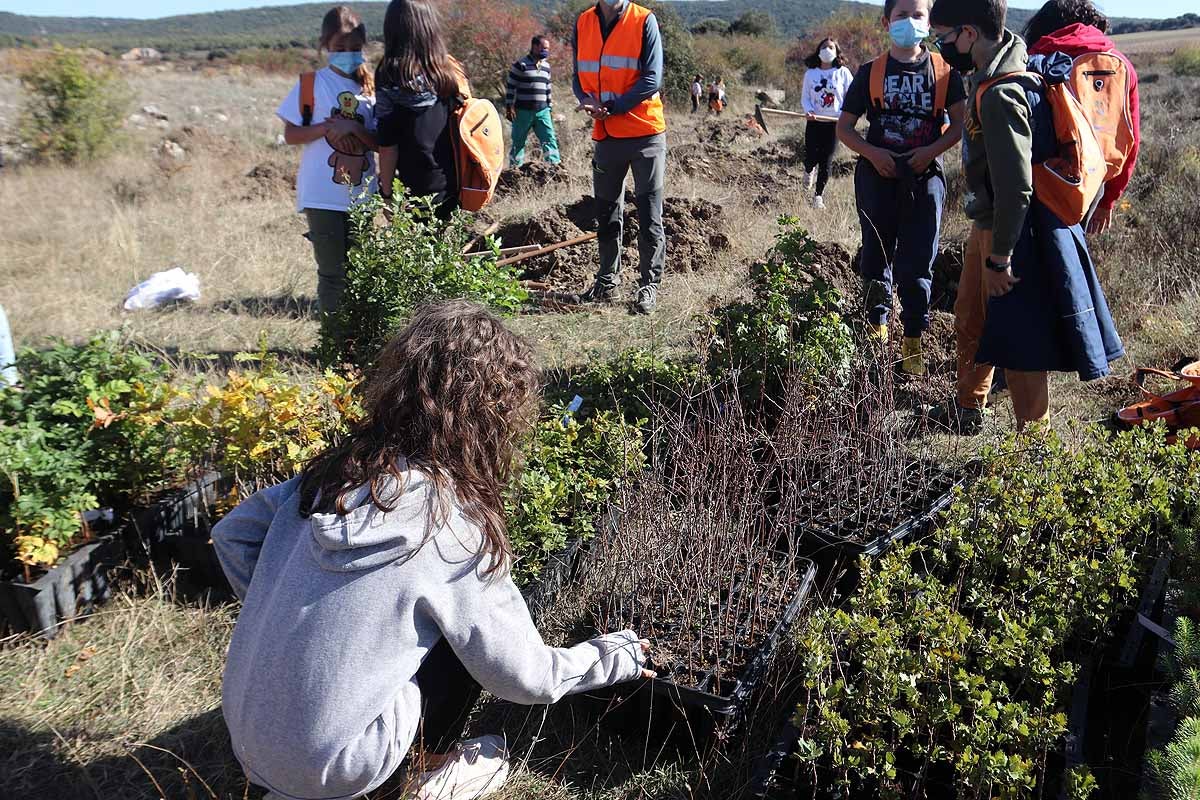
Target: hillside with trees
x=293 y=26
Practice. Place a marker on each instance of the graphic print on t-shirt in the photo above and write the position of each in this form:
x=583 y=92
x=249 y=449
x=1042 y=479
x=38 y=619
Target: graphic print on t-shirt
x=825 y=95
x=906 y=119
x=349 y=157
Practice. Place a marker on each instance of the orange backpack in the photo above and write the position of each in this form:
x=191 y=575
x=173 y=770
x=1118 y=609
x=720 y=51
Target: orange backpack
x=478 y=137
x=1069 y=180
x=941 y=84
x=1100 y=82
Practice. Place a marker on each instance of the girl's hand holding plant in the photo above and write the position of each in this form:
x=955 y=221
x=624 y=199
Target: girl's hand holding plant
x=647 y=673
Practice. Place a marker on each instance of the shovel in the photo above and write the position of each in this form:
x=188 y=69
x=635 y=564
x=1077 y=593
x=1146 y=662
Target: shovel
x=759 y=111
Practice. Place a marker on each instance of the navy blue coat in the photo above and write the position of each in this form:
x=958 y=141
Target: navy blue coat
x=1056 y=318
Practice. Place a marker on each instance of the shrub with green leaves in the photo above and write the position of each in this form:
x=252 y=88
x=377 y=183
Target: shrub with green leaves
x=631 y=381
x=75 y=107
x=790 y=326
x=1186 y=62
x=392 y=269
x=83 y=429
x=571 y=466
x=955 y=656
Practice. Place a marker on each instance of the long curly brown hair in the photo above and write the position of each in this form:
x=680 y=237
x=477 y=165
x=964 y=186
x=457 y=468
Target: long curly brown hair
x=450 y=395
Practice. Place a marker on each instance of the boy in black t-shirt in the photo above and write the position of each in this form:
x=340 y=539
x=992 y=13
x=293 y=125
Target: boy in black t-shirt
x=907 y=95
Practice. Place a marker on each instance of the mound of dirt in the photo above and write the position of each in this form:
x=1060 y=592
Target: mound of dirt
x=695 y=232
x=768 y=175
x=725 y=131
x=531 y=177
x=269 y=180
x=833 y=263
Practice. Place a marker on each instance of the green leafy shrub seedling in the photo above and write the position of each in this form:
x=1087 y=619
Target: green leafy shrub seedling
x=790 y=326
x=956 y=655
x=391 y=270
x=571 y=467
x=75 y=110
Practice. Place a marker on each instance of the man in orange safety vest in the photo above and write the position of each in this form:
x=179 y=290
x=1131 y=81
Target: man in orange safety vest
x=618 y=80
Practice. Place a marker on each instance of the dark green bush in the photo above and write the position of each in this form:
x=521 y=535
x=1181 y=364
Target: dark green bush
x=789 y=326
x=75 y=108
x=570 y=469
x=395 y=268
x=958 y=654
x=630 y=382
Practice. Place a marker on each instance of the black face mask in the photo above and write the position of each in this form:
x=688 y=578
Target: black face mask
x=959 y=61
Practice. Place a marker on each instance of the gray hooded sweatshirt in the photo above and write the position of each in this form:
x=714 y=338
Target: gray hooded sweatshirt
x=339 y=612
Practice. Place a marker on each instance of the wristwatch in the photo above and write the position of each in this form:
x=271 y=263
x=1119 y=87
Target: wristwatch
x=996 y=266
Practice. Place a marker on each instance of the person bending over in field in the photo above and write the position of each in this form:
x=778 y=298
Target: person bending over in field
x=375 y=586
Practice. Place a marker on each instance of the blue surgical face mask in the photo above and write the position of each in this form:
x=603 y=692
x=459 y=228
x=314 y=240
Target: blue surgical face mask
x=347 y=61
x=908 y=32
x=544 y=53
x=615 y=5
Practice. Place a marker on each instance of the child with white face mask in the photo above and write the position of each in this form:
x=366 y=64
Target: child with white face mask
x=331 y=114
x=915 y=104
x=825 y=86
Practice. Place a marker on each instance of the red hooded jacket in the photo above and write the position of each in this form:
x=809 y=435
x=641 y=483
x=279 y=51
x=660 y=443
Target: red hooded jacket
x=1075 y=40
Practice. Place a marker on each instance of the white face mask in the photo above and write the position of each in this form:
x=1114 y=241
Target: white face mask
x=827 y=54
x=615 y=5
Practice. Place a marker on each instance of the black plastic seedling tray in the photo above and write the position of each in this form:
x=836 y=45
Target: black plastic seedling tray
x=68 y=589
x=836 y=553
x=177 y=530
x=668 y=709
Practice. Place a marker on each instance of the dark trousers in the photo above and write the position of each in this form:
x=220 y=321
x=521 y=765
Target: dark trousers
x=820 y=143
x=901 y=223
x=646 y=158
x=448 y=693
x=695 y=103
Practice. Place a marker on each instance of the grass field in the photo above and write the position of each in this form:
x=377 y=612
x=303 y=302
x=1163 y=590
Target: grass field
x=1157 y=41
x=126 y=703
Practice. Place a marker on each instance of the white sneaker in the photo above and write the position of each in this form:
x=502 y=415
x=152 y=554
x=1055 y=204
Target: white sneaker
x=476 y=768
x=810 y=178
x=818 y=202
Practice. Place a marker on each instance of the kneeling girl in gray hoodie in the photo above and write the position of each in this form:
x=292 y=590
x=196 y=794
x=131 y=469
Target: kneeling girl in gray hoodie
x=375 y=585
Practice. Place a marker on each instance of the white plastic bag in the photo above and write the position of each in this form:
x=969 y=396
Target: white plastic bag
x=163 y=287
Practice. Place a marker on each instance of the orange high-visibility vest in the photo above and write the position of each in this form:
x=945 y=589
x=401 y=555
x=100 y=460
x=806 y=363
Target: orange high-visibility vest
x=608 y=68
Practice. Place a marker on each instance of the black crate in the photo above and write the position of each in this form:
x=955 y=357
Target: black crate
x=692 y=715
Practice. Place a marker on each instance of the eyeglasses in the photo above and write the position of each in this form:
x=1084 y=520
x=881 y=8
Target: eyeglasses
x=941 y=41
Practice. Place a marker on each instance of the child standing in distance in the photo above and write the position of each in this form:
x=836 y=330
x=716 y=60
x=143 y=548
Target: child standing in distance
x=337 y=166
x=1078 y=28
x=1028 y=300
x=697 y=92
x=825 y=86
x=419 y=83
x=906 y=95
x=375 y=589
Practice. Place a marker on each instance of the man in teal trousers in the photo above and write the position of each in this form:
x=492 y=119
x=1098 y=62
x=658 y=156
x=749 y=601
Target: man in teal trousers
x=528 y=100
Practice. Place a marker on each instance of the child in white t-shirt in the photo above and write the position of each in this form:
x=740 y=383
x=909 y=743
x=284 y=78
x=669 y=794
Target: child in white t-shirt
x=825 y=86
x=337 y=166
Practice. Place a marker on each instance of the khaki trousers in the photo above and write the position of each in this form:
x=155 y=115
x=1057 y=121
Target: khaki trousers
x=1030 y=390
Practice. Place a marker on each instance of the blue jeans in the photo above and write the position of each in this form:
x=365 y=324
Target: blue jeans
x=901 y=221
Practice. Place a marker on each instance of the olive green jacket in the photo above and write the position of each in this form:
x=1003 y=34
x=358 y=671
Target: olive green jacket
x=998 y=149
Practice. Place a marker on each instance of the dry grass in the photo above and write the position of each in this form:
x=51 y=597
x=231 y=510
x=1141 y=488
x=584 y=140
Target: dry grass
x=1157 y=41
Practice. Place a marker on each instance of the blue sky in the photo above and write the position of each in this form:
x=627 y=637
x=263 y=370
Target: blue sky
x=165 y=8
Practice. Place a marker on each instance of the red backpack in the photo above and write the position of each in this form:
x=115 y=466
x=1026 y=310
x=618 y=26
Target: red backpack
x=1068 y=180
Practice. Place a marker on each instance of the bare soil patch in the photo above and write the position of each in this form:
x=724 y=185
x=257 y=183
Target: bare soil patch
x=696 y=231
